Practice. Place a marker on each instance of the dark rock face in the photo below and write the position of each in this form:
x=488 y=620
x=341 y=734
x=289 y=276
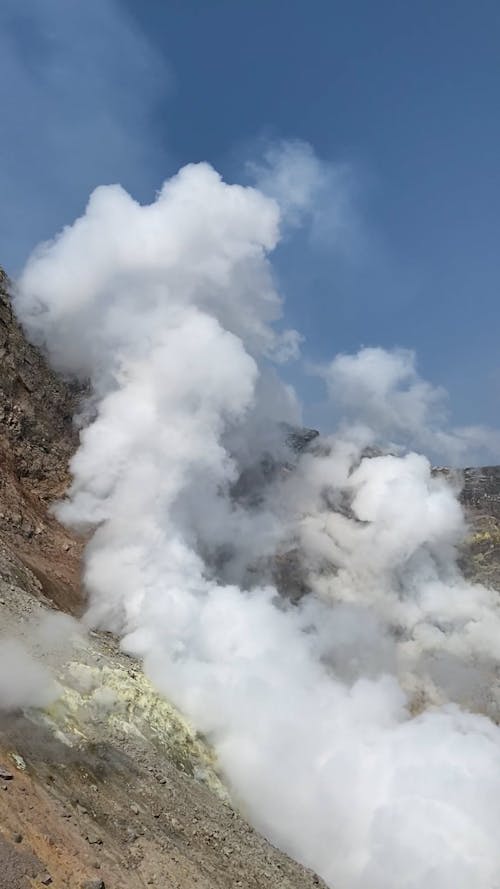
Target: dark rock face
x=298 y=439
x=481 y=490
x=289 y=575
x=480 y=552
x=37 y=440
x=479 y=493
x=36 y=409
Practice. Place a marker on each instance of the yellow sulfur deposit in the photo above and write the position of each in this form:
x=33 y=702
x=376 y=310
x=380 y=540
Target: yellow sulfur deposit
x=108 y=702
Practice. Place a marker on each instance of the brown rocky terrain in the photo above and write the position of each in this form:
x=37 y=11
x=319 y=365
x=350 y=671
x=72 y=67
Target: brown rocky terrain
x=118 y=792
x=37 y=438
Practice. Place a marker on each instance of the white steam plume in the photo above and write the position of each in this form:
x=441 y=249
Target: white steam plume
x=31 y=653
x=384 y=389
x=337 y=721
x=24 y=681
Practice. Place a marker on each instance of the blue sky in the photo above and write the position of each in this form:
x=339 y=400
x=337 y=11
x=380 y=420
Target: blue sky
x=404 y=97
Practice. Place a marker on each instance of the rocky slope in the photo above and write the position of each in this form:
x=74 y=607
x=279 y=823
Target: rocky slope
x=37 y=438
x=109 y=785
x=480 y=495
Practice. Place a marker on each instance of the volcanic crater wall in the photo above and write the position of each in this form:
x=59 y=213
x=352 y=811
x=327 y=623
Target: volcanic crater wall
x=37 y=439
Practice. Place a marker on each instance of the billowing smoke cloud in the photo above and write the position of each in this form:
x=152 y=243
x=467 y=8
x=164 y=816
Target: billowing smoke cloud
x=31 y=653
x=384 y=389
x=310 y=192
x=24 y=682
x=341 y=722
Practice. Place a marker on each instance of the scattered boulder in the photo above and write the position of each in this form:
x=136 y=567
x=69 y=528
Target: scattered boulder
x=93 y=839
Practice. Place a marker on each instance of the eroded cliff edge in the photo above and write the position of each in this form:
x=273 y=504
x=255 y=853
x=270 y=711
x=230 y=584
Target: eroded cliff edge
x=37 y=439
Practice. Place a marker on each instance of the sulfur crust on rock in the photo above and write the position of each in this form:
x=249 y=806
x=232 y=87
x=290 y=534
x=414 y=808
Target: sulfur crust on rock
x=98 y=702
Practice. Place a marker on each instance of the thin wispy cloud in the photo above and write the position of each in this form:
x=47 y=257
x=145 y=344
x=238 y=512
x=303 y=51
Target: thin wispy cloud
x=78 y=85
x=315 y=195
x=384 y=389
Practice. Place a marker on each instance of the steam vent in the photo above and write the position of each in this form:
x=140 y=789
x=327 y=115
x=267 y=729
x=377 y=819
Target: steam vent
x=105 y=784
